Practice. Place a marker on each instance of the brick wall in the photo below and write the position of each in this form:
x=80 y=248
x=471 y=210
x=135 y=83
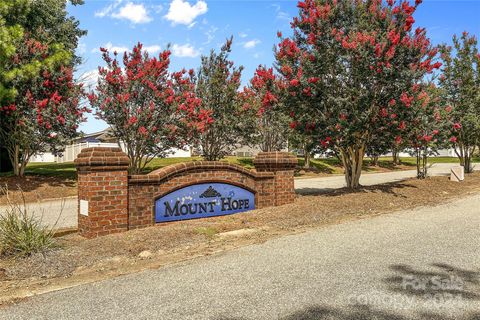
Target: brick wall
x=145 y=189
x=102 y=182
x=118 y=202
x=282 y=165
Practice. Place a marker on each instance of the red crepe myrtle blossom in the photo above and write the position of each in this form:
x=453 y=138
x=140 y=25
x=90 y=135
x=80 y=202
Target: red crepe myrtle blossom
x=269 y=123
x=46 y=110
x=460 y=82
x=150 y=109
x=364 y=42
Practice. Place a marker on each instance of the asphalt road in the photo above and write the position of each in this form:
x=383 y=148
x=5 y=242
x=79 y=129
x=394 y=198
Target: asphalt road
x=421 y=264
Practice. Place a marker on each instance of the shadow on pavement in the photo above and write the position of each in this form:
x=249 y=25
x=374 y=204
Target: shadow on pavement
x=389 y=188
x=443 y=283
x=445 y=280
x=361 y=312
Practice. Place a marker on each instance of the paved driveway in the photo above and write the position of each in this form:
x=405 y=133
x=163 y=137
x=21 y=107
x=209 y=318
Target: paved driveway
x=57 y=213
x=421 y=264
x=305 y=186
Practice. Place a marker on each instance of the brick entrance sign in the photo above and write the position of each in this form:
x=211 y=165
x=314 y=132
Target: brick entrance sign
x=111 y=201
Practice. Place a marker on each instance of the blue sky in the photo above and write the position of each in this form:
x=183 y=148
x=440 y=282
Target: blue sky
x=193 y=27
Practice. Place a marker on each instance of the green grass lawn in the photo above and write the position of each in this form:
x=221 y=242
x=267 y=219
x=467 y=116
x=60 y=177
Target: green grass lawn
x=413 y=161
x=52 y=169
x=67 y=170
x=330 y=165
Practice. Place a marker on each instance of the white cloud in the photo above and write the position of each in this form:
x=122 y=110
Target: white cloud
x=135 y=13
x=82 y=48
x=182 y=12
x=251 y=44
x=185 y=50
x=89 y=79
x=121 y=49
x=281 y=15
x=152 y=49
x=111 y=48
x=243 y=35
x=210 y=34
x=108 y=9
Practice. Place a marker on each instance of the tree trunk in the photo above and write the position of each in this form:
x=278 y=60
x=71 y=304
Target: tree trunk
x=422 y=161
x=352 y=159
x=395 y=157
x=16 y=161
x=425 y=164
x=306 y=157
x=375 y=161
x=465 y=157
x=468 y=164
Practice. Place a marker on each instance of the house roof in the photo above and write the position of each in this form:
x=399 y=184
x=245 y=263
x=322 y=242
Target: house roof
x=104 y=135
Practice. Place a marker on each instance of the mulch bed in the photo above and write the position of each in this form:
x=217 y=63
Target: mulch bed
x=177 y=241
x=37 y=188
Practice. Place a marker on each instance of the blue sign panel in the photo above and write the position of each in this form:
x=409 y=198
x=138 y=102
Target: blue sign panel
x=203 y=200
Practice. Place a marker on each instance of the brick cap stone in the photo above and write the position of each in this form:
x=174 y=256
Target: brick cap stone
x=100 y=158
x=275 y=161
x=194 y=166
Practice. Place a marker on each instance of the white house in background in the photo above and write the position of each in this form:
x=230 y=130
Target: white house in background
x=96 y=139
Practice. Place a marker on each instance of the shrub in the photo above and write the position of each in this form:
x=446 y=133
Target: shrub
x=21 y=233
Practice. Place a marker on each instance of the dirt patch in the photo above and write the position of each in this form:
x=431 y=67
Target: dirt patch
x=79 y=260
x=38 y=188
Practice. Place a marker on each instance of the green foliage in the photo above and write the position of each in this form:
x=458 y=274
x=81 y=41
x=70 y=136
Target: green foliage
x=10 y=34
x=21 y=233
x=150 y=109
x=37 y=46
x=350 y=69
x=217 y=84
x=45 y=21
x=266 y=116
x=428 y=132
x=460 y=84
x=47 y=113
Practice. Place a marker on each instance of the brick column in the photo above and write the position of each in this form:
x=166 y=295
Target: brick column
x=282 y=164
x=102 y=191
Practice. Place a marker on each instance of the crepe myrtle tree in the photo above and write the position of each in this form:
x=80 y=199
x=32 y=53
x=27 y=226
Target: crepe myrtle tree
x=377 y=147
x=217 y=83
x=262 y=106
x=346 y=63
x=301 y=141
x=460 y=84
x=46 y=110
x=149 y=109
x=47 y=22
x=428 y=131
